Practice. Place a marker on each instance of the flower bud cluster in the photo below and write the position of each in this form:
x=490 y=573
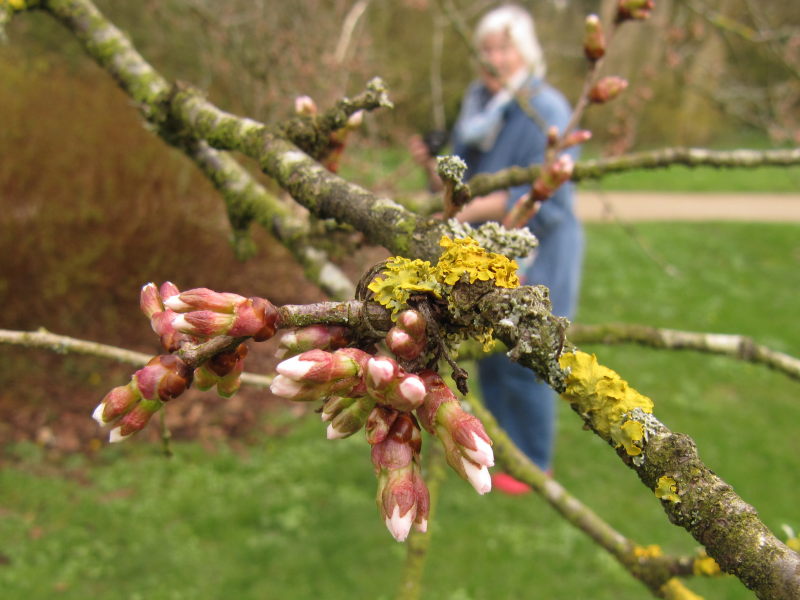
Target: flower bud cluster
x=407 y=339
x=223 y=370
x=151 y=301
x=129 y=407
x=360 y=390
x=607 y=89
x=552 y=176
x=403 y=499
x=204 y=313
x=468 y=448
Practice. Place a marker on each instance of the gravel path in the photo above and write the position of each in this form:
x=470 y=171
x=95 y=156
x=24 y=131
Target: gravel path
x=656 y=206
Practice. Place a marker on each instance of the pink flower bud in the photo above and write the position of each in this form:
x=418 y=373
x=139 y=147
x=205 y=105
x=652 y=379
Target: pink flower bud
x=379 y=423
x=318 y=366
x=553 y=176
x=135 y=420
x=408 y=394
x=398 y=501
x=163 y=378
x=413 y=323
x=294 y=390
x=230 y=383
x=203 y=323
x=204 y=299
x=150 y=300
x=467 y=432
x=168 y=289
x=305 y=106
x=607 y=89
x=381 y=370
x=594 y=40
x=634 y=9
x=255 y=317
x=403 y=345
x=577 y=137
x=116 y=403
x=437 y=393
x=398 y=448
x=324 y=337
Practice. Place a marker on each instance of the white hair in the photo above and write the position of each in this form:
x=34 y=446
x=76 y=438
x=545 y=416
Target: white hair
x=518 y=23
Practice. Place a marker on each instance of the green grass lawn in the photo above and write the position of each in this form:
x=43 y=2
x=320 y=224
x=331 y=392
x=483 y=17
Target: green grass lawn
x=294 y=516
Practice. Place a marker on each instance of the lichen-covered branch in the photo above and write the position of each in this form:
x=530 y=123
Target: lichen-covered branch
x=735 y=346
x=246 y=200
x=652 y=568
x=485 y=183
x=692 y=495
x=62 y=344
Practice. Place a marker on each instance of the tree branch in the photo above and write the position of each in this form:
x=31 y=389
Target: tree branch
x=62 y=344
x=653 y=571
x=485 y=183
x=736 y=346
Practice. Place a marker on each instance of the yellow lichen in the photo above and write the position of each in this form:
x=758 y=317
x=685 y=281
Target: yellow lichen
x=705 y=565
x=16 y=4
x=605 y=398
x=464 y=255
x=651 y=551
x=667 y=489
x=675 y=590
x=400 y=278
x=794 y=543
x=628 y=434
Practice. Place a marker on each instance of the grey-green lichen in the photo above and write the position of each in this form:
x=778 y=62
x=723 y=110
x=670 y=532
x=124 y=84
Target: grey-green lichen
x=492 y=236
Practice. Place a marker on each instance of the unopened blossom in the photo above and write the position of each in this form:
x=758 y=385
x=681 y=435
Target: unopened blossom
x=116 y=403
x=552 y=177
x=135 y=420
x=594 y=40
x=390 y=384
x=305 y=106
x=163 y=378
x=634 y=10
x=254 y=317
x=223 y=370
x=468 y=449
x=204 y=299
x=161 y=318
x=407 y=339
x=402 y=497
x=577 y=137
x=607 y=89
x=350 y=419
x=318 y=374
x=324 y=337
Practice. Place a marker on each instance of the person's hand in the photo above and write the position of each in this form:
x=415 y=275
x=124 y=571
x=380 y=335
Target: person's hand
x=419 y=150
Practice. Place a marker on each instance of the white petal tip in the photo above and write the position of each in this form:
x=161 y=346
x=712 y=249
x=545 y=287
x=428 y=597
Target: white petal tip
x=334 y=434
x=175 y=303
x=421 y=526
x=478 y=476
x=483 y=454
x=97 y=415
x=413 y=389
x=115 y=436
x=399 y=526
x=295 y=368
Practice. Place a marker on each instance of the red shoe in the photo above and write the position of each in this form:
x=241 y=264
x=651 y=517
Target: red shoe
x=508 y=485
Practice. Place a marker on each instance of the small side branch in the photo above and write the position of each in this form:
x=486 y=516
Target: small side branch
x=657 y=159
x=735 y=346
